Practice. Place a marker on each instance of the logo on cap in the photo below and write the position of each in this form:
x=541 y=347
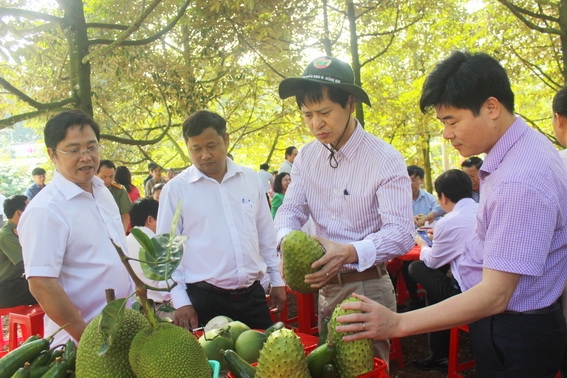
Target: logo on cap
x=322 y=62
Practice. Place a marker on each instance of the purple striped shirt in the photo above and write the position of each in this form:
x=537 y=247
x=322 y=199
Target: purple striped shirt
x=365 y=201
x=522 y=218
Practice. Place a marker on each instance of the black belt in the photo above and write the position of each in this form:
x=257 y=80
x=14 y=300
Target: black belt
x=233 y=295
x=541 y=311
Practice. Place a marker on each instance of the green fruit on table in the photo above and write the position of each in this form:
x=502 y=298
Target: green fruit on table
x=249 y=344
x=214 y=341
x=282 y=356
x=235 y=328
x=299 y=251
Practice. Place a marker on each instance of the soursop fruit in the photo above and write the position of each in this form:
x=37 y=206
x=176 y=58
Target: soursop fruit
x=282 y=356
x=300 y=251
x=168 y=351
x=114 y=363
x=352 y=358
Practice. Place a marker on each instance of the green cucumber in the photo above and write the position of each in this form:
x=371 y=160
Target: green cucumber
x=274 y=327
x=57 y=370
x=237 y=366
x=27 y=352
x=23 y=372
x=318 y=358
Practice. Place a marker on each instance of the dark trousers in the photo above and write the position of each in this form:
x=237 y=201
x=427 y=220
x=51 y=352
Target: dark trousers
x=513 y=345
x=438 y=287
x=252 y=310
x=15 y=292
x=411 y=284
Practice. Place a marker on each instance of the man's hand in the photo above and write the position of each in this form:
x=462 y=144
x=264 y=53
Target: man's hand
x=186 y=317
x=420 y=219
x=336 y=255
x=277 y=299
x=374 y=322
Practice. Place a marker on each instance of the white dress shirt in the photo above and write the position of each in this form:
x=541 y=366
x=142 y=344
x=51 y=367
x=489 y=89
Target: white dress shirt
x=231 y=242
x=452 y=232
x=365 y=201
x=134 y=252
x=66 y=233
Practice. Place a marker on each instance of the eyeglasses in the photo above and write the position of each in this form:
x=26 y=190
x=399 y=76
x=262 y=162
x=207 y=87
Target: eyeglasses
x=77 y=152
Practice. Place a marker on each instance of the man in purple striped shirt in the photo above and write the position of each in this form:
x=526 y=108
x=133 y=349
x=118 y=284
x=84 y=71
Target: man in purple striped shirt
x=353 y=185
x=514 y=269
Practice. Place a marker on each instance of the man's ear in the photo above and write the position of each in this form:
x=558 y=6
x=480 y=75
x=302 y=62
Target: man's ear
x=51 y=153
x=561 y=121
x=227 y=139
x=493 y=106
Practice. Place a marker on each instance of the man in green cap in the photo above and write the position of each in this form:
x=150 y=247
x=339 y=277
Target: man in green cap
x=353 y=185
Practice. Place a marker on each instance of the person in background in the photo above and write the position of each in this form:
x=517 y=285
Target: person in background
x=267 y=180
x=452 y=232
x=353 y=185
x=106 y=172
x=38 y=175
x=231 y=244
x=14 y=289
x=156 y=179
x=156 y=191
x=471 y=167
x=68 y=230
x=143 y=216
x=290 y=154
x=281 y=184
x=513 y=270
x=123 y=177
x=151 y=167
x=170 y=173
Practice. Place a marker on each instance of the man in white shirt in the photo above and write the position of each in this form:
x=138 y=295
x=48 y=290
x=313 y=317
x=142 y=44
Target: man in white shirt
x=231 y=244
x=452 y=232
x=290 y=154
x=143 y=216
x=267 y=180
x=68 y=229
x=353 y=185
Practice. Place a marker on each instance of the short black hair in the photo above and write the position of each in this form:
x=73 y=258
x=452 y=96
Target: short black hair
x=141 y=209
x=13 y=204
x=56 y=128
x=201 y=120
x=106 y=163
x=314 y=92
x=278 y=182
x=414 y=170
x=466 y=81
x=473 y=161
x=559 y=104
x=152 y=166
x=38 y=171
x=289 y=150
x=454 y=184
x=264 y=166
x=158 y=186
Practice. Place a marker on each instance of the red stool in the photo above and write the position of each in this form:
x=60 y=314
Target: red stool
x=454 y=366
x=6 y=312
x=30 y=321
x=396 y=353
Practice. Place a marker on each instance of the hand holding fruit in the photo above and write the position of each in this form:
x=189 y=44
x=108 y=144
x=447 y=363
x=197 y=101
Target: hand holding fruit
x=336 y=255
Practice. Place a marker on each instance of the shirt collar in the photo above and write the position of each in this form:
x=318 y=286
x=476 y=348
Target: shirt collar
x=500 y=149
x=349 y=149
x=232 y=169
x=70 y=189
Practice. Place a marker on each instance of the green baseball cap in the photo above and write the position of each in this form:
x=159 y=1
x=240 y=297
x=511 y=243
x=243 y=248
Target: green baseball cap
x=327 y=71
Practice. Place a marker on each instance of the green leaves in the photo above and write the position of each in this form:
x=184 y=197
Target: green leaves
x=110 y=321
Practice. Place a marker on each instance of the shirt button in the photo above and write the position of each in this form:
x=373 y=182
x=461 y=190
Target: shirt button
x=333 y=217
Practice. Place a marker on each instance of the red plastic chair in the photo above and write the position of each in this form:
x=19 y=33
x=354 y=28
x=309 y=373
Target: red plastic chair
x=396 y=353
x=454 y=366
x=30 y=320
x=6 y=312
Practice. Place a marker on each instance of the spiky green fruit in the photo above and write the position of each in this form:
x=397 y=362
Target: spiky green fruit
x=113 y=363
x=299 y=252
x=352 y=358
x=282 y=356
x=168 y=351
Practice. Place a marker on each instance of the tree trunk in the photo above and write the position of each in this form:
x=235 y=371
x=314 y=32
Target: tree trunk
x=355 y=57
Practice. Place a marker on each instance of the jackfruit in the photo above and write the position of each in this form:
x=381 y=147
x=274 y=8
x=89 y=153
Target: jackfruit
x=352 y=358
x=282 y=356
x=114 y=363
x=300 y=251
x=168 y=351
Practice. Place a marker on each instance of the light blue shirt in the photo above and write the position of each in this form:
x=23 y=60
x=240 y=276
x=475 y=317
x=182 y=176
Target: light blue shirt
x=425 y=203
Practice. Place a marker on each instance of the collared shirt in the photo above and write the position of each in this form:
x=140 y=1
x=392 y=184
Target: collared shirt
x=425 y=203
x=365 y=201
x=267 y=180
x=134 y=252
x=522 y=218
x=11 y=264
x=452 y=232
x=286 y=167
x=66 y=233
x=33 y=190
x=231 y=242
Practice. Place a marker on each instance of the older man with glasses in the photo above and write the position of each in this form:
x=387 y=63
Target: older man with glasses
x=67 y=231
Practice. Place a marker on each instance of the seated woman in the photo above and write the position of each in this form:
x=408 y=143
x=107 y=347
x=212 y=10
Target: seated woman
x=280 y=186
